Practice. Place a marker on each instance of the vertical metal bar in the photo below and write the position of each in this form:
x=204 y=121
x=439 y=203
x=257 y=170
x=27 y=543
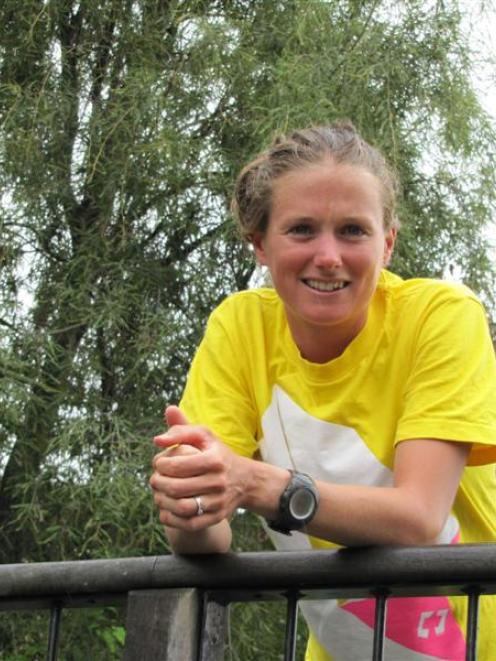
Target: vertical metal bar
x=379 y=627
x=472 y=625
x=53 y=632
x=291 y=626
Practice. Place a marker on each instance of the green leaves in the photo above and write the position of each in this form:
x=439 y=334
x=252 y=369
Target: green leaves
x=119 y=146
x=122 y=127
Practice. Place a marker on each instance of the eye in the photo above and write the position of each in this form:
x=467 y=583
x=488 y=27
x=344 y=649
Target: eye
x=353 y=230
x=301 y=229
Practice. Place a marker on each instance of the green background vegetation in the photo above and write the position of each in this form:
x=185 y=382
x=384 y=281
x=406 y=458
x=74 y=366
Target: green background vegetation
x=122 y=126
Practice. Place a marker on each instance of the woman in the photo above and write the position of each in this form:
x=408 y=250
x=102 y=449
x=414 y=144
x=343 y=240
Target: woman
x=344 y=402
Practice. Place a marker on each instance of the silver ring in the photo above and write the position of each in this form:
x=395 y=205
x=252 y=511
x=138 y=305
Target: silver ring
x=199 y=506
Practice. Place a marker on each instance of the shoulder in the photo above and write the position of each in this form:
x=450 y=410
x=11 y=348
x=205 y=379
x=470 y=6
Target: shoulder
x=249 y=304
x=423 y=311
x=423 y=294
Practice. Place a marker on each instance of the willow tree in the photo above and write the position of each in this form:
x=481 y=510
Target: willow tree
x=123 y=123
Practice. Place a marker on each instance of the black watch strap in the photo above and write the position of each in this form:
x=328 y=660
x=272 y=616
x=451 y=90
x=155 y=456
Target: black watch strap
x=297 y=504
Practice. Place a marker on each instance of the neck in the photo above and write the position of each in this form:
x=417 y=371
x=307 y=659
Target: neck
x=324 y=343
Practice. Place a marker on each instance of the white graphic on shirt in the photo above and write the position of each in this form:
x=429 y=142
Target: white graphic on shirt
x=327 y=451
x=432 y=621
x=334 y=453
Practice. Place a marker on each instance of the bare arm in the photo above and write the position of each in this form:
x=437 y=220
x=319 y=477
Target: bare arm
x=413 y=511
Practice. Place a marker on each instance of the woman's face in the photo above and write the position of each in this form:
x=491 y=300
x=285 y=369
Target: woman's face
x=324 y=246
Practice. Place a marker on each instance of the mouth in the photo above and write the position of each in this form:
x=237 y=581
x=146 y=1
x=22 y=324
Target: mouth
x=321 y=285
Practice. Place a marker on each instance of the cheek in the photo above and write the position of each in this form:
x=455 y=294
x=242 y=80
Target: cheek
x=365 y=258
x=286 y=261
x=367 y=265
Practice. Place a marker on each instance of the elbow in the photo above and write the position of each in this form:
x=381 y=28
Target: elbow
x=421 y=530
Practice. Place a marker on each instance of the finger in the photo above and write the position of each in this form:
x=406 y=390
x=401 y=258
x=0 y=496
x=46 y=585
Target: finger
x=175 y=451
x=189 y=487
x=187 y=508
x=187 y=465
x=173 y=515
x=174 y=416
x=182 y=450
x=193 y=524
x=193 y=435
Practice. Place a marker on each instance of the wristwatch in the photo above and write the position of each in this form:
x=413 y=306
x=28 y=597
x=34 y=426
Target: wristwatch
x=297 y=505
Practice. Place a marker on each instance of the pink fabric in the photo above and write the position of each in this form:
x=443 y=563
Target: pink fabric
x=421 y=624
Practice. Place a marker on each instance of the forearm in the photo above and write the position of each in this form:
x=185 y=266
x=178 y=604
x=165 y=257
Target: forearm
x=413 y=511
x=349 y=515
x=426 y=473
x=353 y=515
x=215 y=539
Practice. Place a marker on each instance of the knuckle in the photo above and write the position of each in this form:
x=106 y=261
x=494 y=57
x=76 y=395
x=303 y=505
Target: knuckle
x=158 y=464
x=184 y=508
x=173 y=489
x=205 y=433
x=221 y=515
x=221 y=483
x=217 y=463
x=195 y=524
x=169 y=469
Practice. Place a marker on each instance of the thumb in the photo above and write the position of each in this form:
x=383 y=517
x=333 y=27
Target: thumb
x=174 y=416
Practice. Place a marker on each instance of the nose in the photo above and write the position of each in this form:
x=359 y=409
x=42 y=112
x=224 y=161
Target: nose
x=328 y=253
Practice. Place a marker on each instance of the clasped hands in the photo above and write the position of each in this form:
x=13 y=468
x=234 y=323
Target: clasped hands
x=197 y=481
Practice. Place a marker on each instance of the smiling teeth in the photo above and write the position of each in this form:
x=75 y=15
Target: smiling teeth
x=325 y=286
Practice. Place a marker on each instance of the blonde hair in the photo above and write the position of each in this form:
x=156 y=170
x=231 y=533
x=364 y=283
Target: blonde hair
x=339 y=142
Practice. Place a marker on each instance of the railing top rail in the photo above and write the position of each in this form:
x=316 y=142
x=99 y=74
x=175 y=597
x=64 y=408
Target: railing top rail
x=232 y=577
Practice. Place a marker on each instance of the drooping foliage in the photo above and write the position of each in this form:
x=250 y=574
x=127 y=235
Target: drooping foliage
x=122 y=126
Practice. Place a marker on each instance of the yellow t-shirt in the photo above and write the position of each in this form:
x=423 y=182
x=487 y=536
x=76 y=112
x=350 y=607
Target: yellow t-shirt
x=422 y=367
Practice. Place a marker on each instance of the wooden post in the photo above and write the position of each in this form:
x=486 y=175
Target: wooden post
x=214 y=632
x=163 y=625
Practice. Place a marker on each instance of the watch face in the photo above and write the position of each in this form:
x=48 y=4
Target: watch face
x=301 y=503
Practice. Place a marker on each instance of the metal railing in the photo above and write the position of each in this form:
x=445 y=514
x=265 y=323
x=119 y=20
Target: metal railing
x=176 y=606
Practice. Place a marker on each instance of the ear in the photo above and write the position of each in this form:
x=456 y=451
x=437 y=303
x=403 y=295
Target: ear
x=257 y=241
x=389 y=241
